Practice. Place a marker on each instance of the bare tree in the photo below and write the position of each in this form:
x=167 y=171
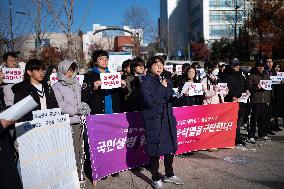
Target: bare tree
x=62 y=12
x=137 y=18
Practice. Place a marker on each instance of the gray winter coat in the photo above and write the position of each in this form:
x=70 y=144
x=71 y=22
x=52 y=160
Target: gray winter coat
x=68 y=100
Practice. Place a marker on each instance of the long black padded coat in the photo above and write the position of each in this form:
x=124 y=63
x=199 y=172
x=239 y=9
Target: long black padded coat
x=159 y=121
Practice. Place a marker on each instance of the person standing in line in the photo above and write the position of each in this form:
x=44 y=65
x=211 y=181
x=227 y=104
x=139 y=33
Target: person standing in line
x=159 y=121
x=68 y=95
x=9 y=175
x=126 y=69
x=270 y=71
x=133 y=82
x=50 y=70
x=185 y=100
x=260 y=100
x=277 y=99
x=10 y=61
x=209 y=83
x=235 y=80
x=100 y=101
x=33 y=85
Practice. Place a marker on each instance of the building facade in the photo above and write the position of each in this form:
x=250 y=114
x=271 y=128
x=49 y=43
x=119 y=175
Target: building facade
x=103 y=37
x=183 y=22
x=27 y=43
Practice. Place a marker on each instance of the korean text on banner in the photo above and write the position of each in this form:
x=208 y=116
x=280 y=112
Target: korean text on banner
x=266 y=84
x=19 y=109
x=12 y=75
x=110 y=80
x=119 y=145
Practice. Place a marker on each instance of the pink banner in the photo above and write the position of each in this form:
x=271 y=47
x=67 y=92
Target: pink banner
x=117 y=140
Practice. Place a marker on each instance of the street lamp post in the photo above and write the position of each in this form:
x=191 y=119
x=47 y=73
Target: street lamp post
x=188 y=50
x=11 y=25
x=236 y=21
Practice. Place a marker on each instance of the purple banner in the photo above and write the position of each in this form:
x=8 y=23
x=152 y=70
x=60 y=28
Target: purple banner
x=116 y=139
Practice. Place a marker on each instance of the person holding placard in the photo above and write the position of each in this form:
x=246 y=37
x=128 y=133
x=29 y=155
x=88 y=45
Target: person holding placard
x=236 y=80
x=101 y=101
x=131 y=101
x=33 y=85
x=210 y=86
x=9 y=175
x=189 y=78
x=10 y=61
x=68 y=95
x=159 y=121
x=260 y=99
x=277 y=99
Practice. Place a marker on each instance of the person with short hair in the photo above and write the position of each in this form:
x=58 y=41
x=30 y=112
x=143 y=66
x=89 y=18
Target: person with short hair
x=10 y=61
x=131 y=101
x=159 y=121
x=260 y=99
x=10 y=178
x=100 y=101
x=33 y=85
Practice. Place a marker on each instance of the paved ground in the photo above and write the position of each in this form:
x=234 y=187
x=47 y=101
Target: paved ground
x=258 y=166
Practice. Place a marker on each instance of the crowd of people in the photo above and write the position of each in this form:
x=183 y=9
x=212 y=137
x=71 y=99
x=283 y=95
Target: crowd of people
x=145 y=87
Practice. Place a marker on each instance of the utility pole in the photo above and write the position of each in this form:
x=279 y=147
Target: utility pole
x=11 y=25
x=236 y=21
x=38 y=31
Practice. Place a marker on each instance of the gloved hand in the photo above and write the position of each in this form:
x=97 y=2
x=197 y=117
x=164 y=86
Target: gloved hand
x=85 y=109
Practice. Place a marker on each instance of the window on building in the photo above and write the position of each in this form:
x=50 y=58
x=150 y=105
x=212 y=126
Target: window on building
x=224 y=16
x=221 y=30
x=225 y=3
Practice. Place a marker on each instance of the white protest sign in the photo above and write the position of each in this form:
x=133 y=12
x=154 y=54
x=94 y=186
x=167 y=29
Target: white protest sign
x=47 y=158
x=276 y=79
x=185 y=88
x=19 y=109
x=54 y=79
x=201 y=72
x=195 y=89
x=244 y=98
x=41 y=114
x=46 y=152
x=177 y=94
x=280 y=74
x=116 y=59
x=222 y=88
x=266 y=84
x=80 y=79
x=110 y=80
x=169 y=68
x=12 y=75
x=179 y=69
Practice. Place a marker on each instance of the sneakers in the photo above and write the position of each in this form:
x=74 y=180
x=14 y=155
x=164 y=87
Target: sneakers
x=251 y=140
x=265 y=138
x=173 y=179
x=241 y=143
x=157 y=184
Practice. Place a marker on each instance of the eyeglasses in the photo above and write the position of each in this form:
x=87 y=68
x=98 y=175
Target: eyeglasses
x=102 y=58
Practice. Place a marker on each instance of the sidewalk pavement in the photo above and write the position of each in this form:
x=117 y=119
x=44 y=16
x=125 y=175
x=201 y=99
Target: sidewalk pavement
x=256 y=166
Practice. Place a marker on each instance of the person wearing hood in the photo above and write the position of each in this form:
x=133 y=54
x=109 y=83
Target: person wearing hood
x=33 y=85
x=260 y=99
x=209 y=83
x=68 y=94
x=236 y=80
